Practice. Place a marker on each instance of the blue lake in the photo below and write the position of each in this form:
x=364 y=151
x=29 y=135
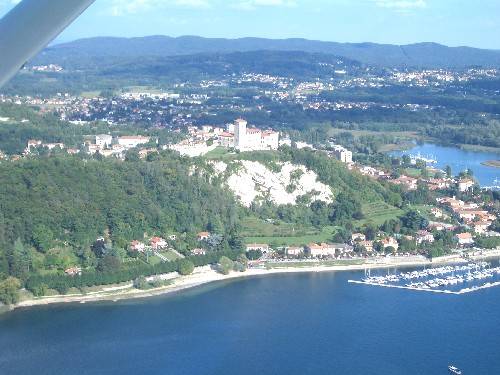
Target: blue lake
x=283 y=324
x=459 y=160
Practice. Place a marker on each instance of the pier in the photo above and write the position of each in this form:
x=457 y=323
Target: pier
x=433 y=280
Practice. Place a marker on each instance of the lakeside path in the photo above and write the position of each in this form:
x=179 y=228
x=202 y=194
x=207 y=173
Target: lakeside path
x=206 y=275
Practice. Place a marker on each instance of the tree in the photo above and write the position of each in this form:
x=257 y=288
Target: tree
x=186 y=267
x=9 y=291
x=241 y=263
x=141 y=283
x=414 y=220
x=39 y=290
x=109 y=263
x=42 y=238
x=4 y=264
x=254 y=254
x=225 y=265
x=20 y=260
x=370 y=231
x=236 y=242
x=448 y=171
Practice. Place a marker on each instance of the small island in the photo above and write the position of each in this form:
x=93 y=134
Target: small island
x=492 y=163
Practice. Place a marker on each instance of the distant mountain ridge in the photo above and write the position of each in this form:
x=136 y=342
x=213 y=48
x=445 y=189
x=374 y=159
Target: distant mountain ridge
x=430 y=55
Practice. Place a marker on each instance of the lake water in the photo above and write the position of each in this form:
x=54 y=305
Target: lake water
x=284 y=324
x=459 y=160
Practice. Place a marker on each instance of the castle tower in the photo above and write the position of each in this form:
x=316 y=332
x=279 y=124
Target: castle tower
x=240 y=133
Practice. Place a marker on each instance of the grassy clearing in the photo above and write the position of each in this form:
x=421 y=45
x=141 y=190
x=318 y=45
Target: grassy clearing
x=218 y=153
x=413 y=172
x=403 y=146
x=378 y=213
x=171 y=256
x=283 y=234
x=150 y=89
x=424 y=210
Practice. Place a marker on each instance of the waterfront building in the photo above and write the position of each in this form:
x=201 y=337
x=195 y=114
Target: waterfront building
x=294 y=251
x=328 y=250
x=390 y=242
x=464 y=238
x=358 y=237
x=256 y=247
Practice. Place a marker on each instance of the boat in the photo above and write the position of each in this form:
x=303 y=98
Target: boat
x=455 y=370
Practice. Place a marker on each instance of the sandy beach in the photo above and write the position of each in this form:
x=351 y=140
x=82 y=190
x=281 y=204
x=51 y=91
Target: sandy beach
x=201 y=276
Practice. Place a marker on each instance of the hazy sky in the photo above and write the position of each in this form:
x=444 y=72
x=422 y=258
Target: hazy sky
x=452 y=22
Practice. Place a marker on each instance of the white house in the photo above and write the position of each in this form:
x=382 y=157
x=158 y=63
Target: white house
x=158 y=243
x=424 y=236
x=294 y=251
x=137 y=246
x=465 y=184
x=256 y=247
x=132 y=141
x=390 y=242
x=464 y=238
x=103 y=140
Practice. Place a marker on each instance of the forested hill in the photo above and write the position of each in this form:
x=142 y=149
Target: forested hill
x=78 y=200
x=430 y=55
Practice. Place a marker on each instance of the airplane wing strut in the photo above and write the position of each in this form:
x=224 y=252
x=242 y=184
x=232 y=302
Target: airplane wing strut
x=30 y=27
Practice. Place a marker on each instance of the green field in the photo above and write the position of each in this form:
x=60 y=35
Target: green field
x=413 y=172
x=218 y=153
x=378 y=212
x=361 y=133
x=171 y=256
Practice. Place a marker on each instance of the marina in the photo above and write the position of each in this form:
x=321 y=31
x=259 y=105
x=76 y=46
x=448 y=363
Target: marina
x=459 y=279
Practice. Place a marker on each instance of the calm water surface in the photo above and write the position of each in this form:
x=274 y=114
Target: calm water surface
x=283 y=324
x=459 y=160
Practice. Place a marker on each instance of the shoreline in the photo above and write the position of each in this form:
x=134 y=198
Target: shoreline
x=206 y=275
x=491 y=163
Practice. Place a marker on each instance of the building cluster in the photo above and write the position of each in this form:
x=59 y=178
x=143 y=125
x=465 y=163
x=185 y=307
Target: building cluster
x=236 y=135
x=34 y=144
x=439 y=77
x=107 y=145
x=104 y=144
x=471 y=215
x=51 y=68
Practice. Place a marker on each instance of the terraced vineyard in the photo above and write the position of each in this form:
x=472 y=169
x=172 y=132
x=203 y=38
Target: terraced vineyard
x=378 y=212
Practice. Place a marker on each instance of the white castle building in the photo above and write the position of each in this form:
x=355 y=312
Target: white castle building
x=252 y=139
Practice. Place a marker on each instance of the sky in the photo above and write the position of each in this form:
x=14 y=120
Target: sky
x=474 y=23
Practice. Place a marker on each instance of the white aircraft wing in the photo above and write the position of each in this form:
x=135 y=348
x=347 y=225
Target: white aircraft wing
x=30 y=27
